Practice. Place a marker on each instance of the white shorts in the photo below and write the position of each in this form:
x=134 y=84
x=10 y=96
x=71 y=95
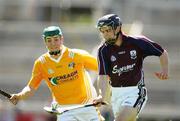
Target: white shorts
x=128 y=96
x=82 y=114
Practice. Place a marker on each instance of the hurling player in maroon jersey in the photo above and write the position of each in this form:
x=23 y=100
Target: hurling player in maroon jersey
x=120 y=60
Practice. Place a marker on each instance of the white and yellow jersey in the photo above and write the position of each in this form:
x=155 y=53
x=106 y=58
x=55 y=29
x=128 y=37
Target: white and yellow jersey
x=67 y=76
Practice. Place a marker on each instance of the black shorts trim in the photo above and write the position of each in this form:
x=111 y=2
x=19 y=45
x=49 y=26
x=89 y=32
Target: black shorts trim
x=141 y=98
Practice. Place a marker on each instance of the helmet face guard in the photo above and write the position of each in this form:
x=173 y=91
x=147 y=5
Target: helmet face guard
x=110 y=20
x=51 y=31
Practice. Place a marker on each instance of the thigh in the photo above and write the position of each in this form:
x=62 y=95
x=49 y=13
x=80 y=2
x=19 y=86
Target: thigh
x=107 y=113
x=126 y=113
x=132 y=97
x=116 y=100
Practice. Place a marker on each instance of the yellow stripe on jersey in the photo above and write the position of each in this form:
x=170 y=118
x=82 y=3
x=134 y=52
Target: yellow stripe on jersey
x=66 y=78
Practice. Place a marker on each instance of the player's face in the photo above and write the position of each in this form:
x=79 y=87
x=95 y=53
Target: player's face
x=107 y=32
x=54 y=43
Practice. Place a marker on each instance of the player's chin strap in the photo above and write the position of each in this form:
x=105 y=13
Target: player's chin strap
x=113 y=41
x=55 y=52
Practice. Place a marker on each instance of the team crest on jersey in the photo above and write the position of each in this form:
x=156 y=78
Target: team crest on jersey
x=71 y=65
x=50 y=71
x=133 y=54
x=113 y=58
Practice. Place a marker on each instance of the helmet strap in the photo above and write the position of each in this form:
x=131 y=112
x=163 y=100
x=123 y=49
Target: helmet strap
x=117 y=35
x=113 y=41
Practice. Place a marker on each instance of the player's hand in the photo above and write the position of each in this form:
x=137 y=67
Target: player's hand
x=97 y=100
x=15 y=99
x=162 y=75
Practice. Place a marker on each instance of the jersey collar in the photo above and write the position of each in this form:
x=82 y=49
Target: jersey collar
x=58 y=59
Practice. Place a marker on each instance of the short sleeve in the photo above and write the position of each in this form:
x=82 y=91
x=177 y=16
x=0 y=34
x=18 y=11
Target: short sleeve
x=36 y=76
x=89 y=61
x=148 y=46
x=103 y=62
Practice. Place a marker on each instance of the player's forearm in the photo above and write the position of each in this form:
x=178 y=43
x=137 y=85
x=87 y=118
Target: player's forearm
x=164 y=61
x=104 y=87
x=25 y=93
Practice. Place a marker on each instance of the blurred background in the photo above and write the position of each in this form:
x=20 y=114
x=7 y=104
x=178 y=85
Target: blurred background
x=21 y=25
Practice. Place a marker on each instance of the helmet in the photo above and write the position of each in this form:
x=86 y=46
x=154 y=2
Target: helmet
x=112 y=20
x=51 y=31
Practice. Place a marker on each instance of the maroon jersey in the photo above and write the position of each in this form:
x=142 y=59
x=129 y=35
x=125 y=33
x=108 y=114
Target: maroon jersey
x=123 y=64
